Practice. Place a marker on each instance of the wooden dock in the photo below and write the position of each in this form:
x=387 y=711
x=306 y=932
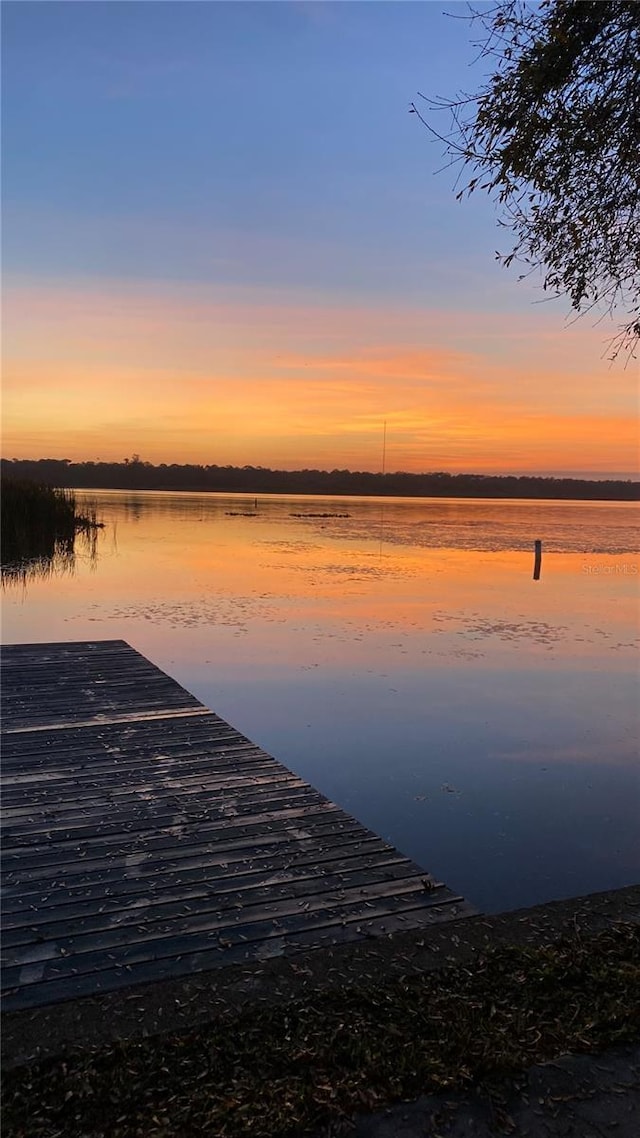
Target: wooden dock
x=146 y=839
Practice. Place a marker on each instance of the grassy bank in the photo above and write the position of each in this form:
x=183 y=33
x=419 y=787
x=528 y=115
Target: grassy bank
x=40 y=521
x=285 y=1069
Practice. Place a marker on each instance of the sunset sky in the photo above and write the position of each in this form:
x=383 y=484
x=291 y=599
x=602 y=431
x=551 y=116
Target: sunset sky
x=225 y=240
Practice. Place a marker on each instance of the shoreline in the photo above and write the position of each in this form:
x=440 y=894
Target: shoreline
x=382 y=1038
x=134 y=474
x=184 y=1004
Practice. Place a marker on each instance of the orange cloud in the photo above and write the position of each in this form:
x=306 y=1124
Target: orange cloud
x=197 y=375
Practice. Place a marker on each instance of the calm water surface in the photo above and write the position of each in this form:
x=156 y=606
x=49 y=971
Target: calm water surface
x=401 y=659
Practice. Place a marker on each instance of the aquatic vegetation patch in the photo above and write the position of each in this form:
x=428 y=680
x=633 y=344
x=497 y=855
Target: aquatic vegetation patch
x=475 y=627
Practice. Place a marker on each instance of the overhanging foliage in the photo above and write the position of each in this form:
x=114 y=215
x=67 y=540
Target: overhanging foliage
x=554 y=137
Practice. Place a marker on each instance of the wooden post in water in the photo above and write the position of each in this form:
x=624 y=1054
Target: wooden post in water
x=537 y=561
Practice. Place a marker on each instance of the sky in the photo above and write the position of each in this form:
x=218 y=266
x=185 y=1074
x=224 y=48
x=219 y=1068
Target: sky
x=226 y=240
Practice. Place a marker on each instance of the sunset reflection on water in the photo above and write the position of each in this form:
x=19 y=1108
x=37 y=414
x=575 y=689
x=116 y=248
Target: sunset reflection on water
x=401 y=659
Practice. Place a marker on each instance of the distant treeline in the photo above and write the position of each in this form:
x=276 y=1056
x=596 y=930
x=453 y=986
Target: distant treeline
x=134 y=474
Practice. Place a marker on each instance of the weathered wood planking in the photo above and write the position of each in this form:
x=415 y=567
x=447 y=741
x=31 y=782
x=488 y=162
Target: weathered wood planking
x=144 y=838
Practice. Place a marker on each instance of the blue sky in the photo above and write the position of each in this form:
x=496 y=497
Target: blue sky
x=284 y=121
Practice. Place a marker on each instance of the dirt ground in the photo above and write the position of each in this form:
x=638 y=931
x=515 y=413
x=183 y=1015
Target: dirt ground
x=579 y=1096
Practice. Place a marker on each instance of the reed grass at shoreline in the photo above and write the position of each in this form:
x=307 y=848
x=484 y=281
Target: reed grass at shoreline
x=40 y=521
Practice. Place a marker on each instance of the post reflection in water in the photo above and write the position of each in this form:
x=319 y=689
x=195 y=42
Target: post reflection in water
x=398 y=658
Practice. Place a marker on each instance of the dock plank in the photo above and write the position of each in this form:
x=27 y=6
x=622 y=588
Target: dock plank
x=145 y=838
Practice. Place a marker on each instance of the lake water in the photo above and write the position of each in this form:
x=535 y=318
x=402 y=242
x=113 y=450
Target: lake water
x=401 y=659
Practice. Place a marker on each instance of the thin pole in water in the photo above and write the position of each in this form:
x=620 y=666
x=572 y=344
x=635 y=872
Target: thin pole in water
x=384 y=455
x=384 y=444
x=537 y=561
